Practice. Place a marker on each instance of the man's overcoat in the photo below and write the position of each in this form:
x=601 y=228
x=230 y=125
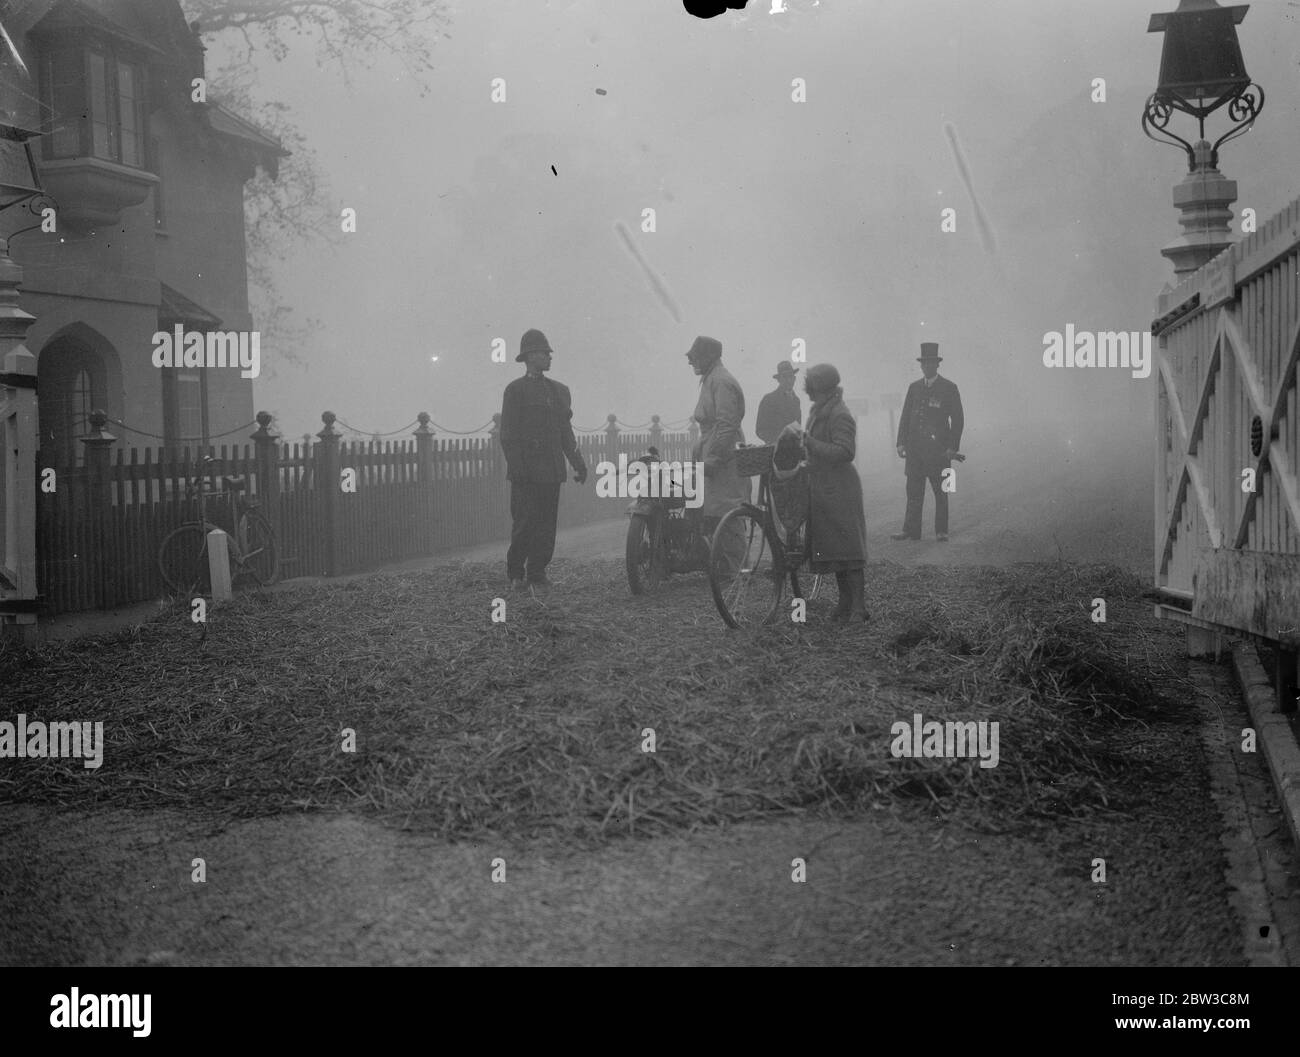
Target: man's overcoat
x=931 y=424
x=776 y=411
x=719 y=412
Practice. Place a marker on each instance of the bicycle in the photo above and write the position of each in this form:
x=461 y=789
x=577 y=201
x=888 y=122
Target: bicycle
x=183 y=555
x=752 y=555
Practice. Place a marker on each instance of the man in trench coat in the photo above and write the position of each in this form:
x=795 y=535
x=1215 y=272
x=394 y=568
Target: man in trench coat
x=719 y=412
x=780 y=407
x=537 y=436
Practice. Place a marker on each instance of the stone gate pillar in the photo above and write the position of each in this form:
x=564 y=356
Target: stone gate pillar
x=1204 y=199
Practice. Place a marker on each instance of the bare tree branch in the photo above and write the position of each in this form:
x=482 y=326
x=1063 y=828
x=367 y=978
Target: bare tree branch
x=346 y=32
x=297 y=207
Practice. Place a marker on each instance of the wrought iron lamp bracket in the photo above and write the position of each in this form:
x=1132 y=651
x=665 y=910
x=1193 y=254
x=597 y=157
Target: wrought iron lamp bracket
x=1243 y=108
x=1155 y=119
x=35 y=203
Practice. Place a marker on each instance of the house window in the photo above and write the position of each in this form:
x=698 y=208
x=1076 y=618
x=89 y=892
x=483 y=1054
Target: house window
x=80 y=402
x=72 y=378
x=189 y=407
x=159 y=207
x=64 y=94
x=95 y=106
x=130 y=115
x=185 y=407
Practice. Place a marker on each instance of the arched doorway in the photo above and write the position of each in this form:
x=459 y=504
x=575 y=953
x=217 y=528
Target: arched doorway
x=72 y=380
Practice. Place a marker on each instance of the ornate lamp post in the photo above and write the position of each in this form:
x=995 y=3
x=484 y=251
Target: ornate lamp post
x=1201 y=72
x=20 y=178
x=20 y=191
x=19 y=185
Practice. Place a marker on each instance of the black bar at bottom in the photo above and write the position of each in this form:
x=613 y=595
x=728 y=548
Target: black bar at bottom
x=350 y=1007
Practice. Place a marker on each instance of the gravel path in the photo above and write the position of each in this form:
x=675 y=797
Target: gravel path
x=881 y=891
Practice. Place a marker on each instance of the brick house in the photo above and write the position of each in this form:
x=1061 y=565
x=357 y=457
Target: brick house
x=150 y=221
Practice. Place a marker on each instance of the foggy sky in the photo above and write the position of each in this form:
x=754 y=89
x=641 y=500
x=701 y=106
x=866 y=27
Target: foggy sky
x=776 y=219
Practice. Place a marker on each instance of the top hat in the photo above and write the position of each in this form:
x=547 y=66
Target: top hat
x=785 y=368
x=532 y=341
x=929 y=351
x=705 y=347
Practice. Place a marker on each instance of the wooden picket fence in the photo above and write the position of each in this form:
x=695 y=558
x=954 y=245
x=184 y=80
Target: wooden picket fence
x=99 y=529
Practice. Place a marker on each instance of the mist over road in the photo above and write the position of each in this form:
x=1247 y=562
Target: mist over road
x=1048 y=500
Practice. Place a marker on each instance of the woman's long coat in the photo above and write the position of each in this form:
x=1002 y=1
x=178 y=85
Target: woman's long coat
x=837 y=524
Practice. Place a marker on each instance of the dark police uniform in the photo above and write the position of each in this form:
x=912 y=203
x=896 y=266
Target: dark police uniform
x=931 y=424
x=537 y=436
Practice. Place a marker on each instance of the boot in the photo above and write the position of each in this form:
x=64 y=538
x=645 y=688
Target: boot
x=841 y=613
x=857 y=596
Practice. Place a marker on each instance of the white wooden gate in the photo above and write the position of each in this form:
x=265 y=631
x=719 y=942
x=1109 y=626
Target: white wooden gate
x=1227 y=532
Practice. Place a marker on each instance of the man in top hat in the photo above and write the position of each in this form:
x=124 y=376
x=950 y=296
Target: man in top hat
x=719 y=412
x=780 y=407
x=537 y=435
x=929 y=435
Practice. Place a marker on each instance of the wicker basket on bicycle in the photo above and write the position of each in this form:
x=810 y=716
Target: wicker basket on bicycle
x=754 y=459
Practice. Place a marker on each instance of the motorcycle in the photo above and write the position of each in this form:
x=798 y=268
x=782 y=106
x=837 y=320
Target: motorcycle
x=664 y=536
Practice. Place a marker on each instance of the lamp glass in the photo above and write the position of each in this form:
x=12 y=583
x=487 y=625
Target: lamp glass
x=18 y=175
x=1201 y=57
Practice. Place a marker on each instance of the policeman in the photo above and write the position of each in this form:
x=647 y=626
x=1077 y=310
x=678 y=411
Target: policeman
x=780 y=407
x=929 y=435
x=537 y=436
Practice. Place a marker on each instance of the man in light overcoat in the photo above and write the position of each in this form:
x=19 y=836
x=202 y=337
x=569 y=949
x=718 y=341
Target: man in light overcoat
x=718 y=413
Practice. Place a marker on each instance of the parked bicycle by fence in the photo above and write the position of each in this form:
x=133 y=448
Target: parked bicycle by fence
x=183 y=556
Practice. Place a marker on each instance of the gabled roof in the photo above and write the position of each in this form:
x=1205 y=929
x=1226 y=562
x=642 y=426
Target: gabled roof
x=253 y=140
x=158 y=27
x=80 y=14
x=163 y=21
x=228 y=123
x=175 y=307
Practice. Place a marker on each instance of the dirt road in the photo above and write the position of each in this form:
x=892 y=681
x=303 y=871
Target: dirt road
x=895 y=887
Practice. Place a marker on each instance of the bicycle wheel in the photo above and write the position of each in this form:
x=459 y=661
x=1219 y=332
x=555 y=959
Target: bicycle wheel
x=646 y=560
x=746 y=568
x=806 y=585
x=258 y=558
x=183 y=561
